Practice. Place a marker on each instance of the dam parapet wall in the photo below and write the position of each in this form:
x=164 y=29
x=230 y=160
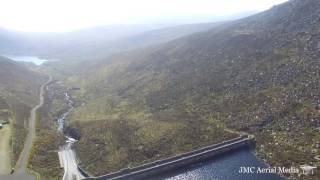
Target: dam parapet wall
x=161 y=166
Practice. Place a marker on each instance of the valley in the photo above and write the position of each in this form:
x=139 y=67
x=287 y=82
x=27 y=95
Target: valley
x=120 y=97
x=17 y=118
x=252 y=75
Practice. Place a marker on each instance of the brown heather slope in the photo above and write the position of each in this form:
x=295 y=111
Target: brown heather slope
x=259 y=74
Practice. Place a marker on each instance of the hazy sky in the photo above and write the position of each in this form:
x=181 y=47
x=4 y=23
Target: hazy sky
x=66 y=15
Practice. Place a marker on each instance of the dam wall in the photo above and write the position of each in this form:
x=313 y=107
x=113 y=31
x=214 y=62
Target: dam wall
x=160 y=166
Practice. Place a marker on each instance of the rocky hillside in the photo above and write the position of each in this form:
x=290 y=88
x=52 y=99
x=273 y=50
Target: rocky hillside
x=260 y=75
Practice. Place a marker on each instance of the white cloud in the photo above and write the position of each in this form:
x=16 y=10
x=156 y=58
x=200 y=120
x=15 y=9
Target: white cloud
x=64 y=15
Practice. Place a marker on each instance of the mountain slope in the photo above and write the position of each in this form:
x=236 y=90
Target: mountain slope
x=19 y=90
x=93 y=43
x=101 y=49
x=259 y=75
x=18 y=82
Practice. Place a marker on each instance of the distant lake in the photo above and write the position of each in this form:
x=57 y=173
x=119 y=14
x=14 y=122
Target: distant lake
x=225 y=167
x=33 y=59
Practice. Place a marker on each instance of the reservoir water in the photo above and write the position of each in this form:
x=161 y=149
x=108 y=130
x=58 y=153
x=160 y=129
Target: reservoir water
x=225 y=167
x=33 y=59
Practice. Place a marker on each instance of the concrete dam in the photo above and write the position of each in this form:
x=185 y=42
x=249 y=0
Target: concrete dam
x=161 y=166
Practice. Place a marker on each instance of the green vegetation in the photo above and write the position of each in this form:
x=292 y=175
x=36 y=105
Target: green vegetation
x=21 y=115
x=5 y=149
x=5 y=140
x=123 y=143
x=127 y=134
x=19 y=90
x=259 y=75
x=44 y=158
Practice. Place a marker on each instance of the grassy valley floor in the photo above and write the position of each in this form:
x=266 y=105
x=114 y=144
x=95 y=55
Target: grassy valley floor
x=5 y=150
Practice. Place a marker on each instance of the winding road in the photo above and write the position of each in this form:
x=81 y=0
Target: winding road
x=22 y=163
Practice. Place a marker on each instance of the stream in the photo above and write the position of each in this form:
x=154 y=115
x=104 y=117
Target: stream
x=67 y=155
x=61 y=120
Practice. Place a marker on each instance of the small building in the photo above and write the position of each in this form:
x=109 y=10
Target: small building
x=3 y=122
x=308 y=170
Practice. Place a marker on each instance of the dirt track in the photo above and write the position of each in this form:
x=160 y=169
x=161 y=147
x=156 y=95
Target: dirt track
x=22 y=162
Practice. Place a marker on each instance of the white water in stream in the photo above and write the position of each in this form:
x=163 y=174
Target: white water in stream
x=66 y=154
x=61 y=120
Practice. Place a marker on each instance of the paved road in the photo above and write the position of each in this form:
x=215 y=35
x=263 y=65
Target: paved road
x=18 y=176
x=22 y=163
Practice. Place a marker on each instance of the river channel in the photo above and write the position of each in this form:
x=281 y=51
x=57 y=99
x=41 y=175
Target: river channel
x=66 y=154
